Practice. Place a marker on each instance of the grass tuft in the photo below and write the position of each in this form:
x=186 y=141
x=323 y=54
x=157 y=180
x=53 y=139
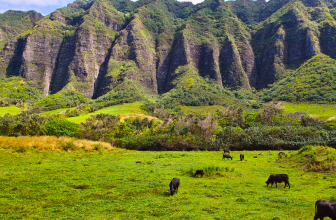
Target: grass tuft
x=22 y=144
x=314 y=158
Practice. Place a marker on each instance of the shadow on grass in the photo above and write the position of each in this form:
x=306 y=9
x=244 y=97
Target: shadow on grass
x=166 y=194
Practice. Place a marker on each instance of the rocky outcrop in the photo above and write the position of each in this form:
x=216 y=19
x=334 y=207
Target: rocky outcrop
x=110 y=18
x=39 y=59
x=327 y=39
x=286 y=42
x=57 y=16
x=136 y=44
x=91 y=47
x=231 y=67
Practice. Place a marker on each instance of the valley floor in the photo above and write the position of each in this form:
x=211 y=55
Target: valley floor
x=107 y=184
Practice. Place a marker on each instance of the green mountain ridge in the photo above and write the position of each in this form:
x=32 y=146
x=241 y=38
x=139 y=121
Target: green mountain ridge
x=95 y=47
x=315 y=80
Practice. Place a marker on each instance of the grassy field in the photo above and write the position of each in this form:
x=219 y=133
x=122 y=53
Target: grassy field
x=57 y=111
x=9 y=109
x=109 y=184
x=124 y=111
x=201 y=110
x=315 y=110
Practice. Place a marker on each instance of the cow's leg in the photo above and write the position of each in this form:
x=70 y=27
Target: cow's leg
x=287 y=183
x=276 y=184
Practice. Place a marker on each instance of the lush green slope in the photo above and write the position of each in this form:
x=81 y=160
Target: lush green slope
x=105 y=184
x=13 y=23
x=9 y=110
x=18 y=90
x=124 y=110
x=62 y=99
x=322 y=111
x=192 y=90
x=314 y=81
x=314 y=158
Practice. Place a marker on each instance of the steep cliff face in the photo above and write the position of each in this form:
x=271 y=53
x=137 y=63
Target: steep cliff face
x=93 y=47
x=231 y=66
x=39 y=59
x=284 y=42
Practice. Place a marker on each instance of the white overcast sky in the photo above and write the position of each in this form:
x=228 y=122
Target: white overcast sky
x=43 y=6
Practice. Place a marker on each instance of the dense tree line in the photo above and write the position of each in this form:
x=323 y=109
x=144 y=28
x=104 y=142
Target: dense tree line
x=235 y=128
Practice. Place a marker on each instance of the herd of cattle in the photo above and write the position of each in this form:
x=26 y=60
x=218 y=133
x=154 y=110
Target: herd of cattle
x=322 y=208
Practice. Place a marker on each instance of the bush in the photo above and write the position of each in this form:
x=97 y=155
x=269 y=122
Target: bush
x=61 y=127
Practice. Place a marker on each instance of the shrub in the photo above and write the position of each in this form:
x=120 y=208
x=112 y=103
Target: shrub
x=61 y=127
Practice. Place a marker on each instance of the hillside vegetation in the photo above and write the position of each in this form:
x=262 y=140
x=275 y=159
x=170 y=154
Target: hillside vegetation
x=195 y=55
x=314 y=81
x=314 y=158
x=17 y=90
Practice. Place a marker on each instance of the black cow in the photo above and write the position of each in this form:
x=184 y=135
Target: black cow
x=325 y=209
x=199 y=172
x=278 y=178
x=226 y=156
x=241 y=157
x=226 y=150
x=174 y=185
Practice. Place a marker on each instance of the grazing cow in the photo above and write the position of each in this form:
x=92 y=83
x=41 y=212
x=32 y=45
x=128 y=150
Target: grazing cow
x=325 y=209
x=174 y=185
x=278 y=178
x=241 y=157
x=255 y=157
x=226 y=150
x=199 y=172
x=227 y=156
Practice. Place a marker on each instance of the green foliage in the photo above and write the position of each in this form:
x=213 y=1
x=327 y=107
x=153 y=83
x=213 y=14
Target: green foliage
x=23 y=124
x=17 y=90
x=61 y=127
x=13 y=23
x=266 y=138
x=125 y=92
x=191 y=89
x=99 y=127
x=314 y=81
x=63 y=99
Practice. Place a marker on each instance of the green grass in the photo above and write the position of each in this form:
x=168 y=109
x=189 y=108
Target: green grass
x=322 y=111
x=111 y=185
x=314 y=158
x=57 y=111
x=201 y=110
x=9 y=110
x=124 y=110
